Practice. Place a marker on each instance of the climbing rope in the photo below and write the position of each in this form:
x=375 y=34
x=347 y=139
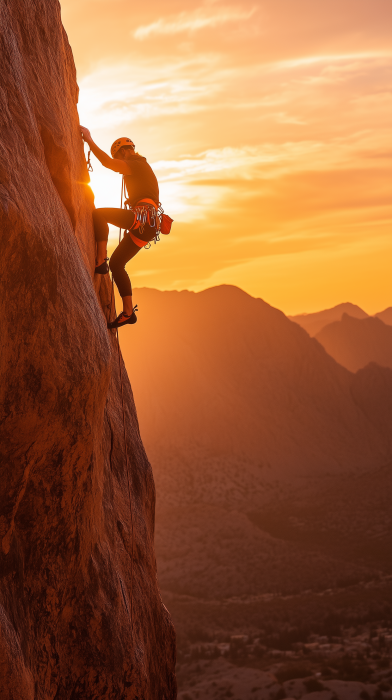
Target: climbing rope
x=88 y=162
x=113 y=301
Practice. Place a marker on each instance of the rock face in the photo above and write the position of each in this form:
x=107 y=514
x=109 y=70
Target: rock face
x=80 y=610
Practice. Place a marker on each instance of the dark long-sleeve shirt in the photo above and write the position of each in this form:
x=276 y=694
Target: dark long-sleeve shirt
x=141 y=183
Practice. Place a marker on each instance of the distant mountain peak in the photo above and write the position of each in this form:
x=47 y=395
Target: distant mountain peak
x=344 y=306
x=385 y=316
x=314 y=322
x=354 y=342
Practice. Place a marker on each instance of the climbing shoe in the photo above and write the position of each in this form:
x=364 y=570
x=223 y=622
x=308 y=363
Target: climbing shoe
x=103 y=268
x=123 y=319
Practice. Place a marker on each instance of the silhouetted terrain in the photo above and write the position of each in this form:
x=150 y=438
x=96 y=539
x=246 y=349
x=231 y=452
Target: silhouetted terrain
x=313 y=323
x=273 y=488
x=355 y=342
x=236 y=403
x=240 y=409
x=385 y=316
x=372 y=391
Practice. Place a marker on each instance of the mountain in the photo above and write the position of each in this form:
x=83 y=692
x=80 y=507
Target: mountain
x=240 y=409
x=355 y=342
x=81 y=615
x=313 y=323
x=385 y=316
x=225 y=381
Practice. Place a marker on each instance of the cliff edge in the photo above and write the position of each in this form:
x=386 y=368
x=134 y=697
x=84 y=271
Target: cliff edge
x=80 y=610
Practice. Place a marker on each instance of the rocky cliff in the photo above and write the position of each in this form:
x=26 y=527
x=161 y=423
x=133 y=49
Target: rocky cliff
x=80 y=610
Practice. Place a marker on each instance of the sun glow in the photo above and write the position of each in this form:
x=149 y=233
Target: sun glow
x=269 y=135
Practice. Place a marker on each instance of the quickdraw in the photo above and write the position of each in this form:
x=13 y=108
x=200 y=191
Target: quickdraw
x=147 y=212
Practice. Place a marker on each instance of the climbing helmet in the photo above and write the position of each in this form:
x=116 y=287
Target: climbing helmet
x=123 y=141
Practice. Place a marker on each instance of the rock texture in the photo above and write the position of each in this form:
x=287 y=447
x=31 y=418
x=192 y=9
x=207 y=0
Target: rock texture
x=80 y=610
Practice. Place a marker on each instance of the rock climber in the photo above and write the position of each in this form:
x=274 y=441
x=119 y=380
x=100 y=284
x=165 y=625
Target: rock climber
x=143 y=194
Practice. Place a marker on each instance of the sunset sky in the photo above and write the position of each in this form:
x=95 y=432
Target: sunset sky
x=268 y=125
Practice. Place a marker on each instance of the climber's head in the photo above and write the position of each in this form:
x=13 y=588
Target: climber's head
x=122 y=148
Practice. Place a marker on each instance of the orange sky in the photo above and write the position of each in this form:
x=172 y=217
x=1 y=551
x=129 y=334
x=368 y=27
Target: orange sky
x=268 y=124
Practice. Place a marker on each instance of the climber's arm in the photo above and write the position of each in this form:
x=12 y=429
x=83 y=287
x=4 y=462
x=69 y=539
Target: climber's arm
x=119 y=166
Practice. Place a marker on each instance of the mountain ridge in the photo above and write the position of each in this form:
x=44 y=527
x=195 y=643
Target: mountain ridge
x=385 y=316
x=239 y=410
x=355 y=342
x=313 y=322
x=174 y=324
x=226 y=357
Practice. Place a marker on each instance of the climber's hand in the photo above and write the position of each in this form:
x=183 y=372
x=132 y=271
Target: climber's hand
x=86 y=136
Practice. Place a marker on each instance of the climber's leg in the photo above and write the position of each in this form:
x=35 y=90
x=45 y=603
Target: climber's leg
x=123 y=218
x=125 y=251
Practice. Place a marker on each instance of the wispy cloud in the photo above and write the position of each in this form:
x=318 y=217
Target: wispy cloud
x=114 y=95
x=200 y=18
x=269 y=132
x=330 y=59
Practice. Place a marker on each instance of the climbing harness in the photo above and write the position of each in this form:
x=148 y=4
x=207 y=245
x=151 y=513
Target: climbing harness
x=146 y=211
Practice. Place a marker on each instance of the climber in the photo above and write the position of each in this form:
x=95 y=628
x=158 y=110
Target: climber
x=143 y=193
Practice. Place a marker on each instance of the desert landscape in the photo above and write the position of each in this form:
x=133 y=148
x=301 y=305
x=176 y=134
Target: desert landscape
x=274 y=474
x=196 y=475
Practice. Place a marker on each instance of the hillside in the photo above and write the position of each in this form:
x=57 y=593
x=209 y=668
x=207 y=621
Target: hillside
x=273 y=515
x=313 y=323
x=240 y=409
x=385 y=316
x=355 y=342
x=235 y=401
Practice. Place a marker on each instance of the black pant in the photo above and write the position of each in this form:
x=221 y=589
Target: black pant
x=127 y=249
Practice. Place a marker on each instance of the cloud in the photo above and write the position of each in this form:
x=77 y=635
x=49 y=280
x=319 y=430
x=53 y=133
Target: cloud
x=269 y=131
x=271 y=160
x=330 y=59
x=117 y=94
x=200 y=18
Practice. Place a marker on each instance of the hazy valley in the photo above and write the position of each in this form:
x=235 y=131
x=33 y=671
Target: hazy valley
x=272 y=465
